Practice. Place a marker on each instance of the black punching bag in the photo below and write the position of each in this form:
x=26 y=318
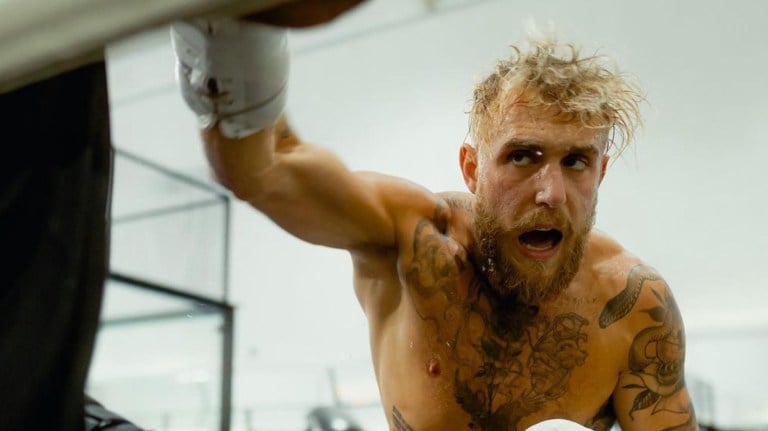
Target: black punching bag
x=55 y=173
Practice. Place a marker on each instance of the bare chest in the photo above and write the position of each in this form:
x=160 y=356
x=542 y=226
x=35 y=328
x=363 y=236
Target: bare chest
x=484 y=373
x=479 y=362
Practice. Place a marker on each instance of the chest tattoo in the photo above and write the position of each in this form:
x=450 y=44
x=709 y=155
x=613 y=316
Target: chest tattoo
x=510 y=359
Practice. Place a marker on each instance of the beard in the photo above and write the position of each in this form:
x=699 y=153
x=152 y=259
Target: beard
x=529 y=282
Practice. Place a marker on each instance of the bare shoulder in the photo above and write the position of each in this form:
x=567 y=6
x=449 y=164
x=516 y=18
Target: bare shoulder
x=459 y=201
x=461 y=205
x=403 y=195
x=627 y=283
x=413 y=210
x=608 y=256
x=640 y=310
x=417 y=213
x=430 y=236
x=406 y=201
x=608 y=264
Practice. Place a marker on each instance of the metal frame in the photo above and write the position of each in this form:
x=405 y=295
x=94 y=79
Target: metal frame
x=205 y=305
x=221 y=197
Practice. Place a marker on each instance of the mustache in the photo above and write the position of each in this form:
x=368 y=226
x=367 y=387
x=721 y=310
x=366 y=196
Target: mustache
x=553 y=218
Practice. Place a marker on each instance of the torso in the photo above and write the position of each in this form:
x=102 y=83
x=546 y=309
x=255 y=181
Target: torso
x=450 y=355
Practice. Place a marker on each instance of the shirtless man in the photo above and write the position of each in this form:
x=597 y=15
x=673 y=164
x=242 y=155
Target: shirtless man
x=491 y=310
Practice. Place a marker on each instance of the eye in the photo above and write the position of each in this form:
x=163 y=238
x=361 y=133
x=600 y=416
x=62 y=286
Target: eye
x=524 y=157
x=576 y=162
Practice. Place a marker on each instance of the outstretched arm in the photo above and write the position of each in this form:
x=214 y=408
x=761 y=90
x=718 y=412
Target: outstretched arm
x=233 y=75
x=308 y=191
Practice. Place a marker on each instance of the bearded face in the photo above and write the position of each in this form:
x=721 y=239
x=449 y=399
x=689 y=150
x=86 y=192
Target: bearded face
x=535 y=181
x=531 y=281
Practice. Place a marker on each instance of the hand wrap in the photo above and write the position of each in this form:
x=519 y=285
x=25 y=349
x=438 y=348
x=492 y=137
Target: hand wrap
x=232 y=73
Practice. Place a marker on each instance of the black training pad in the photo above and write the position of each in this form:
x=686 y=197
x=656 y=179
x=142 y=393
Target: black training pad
x=55 y=171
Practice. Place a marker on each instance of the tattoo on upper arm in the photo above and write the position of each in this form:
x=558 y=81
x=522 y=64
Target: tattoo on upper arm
x=398 y=422
x=656 y=359
x=657 y=352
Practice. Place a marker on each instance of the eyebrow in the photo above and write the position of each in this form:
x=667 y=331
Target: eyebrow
x=526 y=144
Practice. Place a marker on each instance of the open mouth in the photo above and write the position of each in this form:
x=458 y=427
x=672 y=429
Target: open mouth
x=541 y=239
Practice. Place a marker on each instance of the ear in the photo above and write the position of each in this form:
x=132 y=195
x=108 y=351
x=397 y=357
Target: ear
x=468 y=163
x=603 y=167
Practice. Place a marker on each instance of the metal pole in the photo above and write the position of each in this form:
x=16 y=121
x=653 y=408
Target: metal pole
x=226 y=367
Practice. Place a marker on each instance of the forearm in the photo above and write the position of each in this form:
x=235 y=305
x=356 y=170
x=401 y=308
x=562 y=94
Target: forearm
x=244 y=164
x=237 y=163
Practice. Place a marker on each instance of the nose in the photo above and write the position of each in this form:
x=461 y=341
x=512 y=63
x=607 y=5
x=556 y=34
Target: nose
x=550 y=186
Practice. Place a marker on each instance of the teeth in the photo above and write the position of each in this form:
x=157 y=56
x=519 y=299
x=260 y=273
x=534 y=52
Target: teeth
x=541 y=248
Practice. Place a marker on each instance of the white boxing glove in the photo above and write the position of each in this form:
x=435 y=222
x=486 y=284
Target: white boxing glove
x=557 y=425
x=232 y=73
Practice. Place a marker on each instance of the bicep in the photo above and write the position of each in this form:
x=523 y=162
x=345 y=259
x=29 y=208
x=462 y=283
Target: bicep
x=312 y=195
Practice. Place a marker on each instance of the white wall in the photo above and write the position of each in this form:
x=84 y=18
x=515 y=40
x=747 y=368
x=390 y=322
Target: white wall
x=387 y=87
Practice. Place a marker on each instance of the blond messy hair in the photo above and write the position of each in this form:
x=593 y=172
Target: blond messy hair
x=551 y=75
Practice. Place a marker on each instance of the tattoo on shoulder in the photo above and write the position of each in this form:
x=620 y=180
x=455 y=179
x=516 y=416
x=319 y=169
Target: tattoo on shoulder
x=622 y=303
x=432 y=269
x=398 y=422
